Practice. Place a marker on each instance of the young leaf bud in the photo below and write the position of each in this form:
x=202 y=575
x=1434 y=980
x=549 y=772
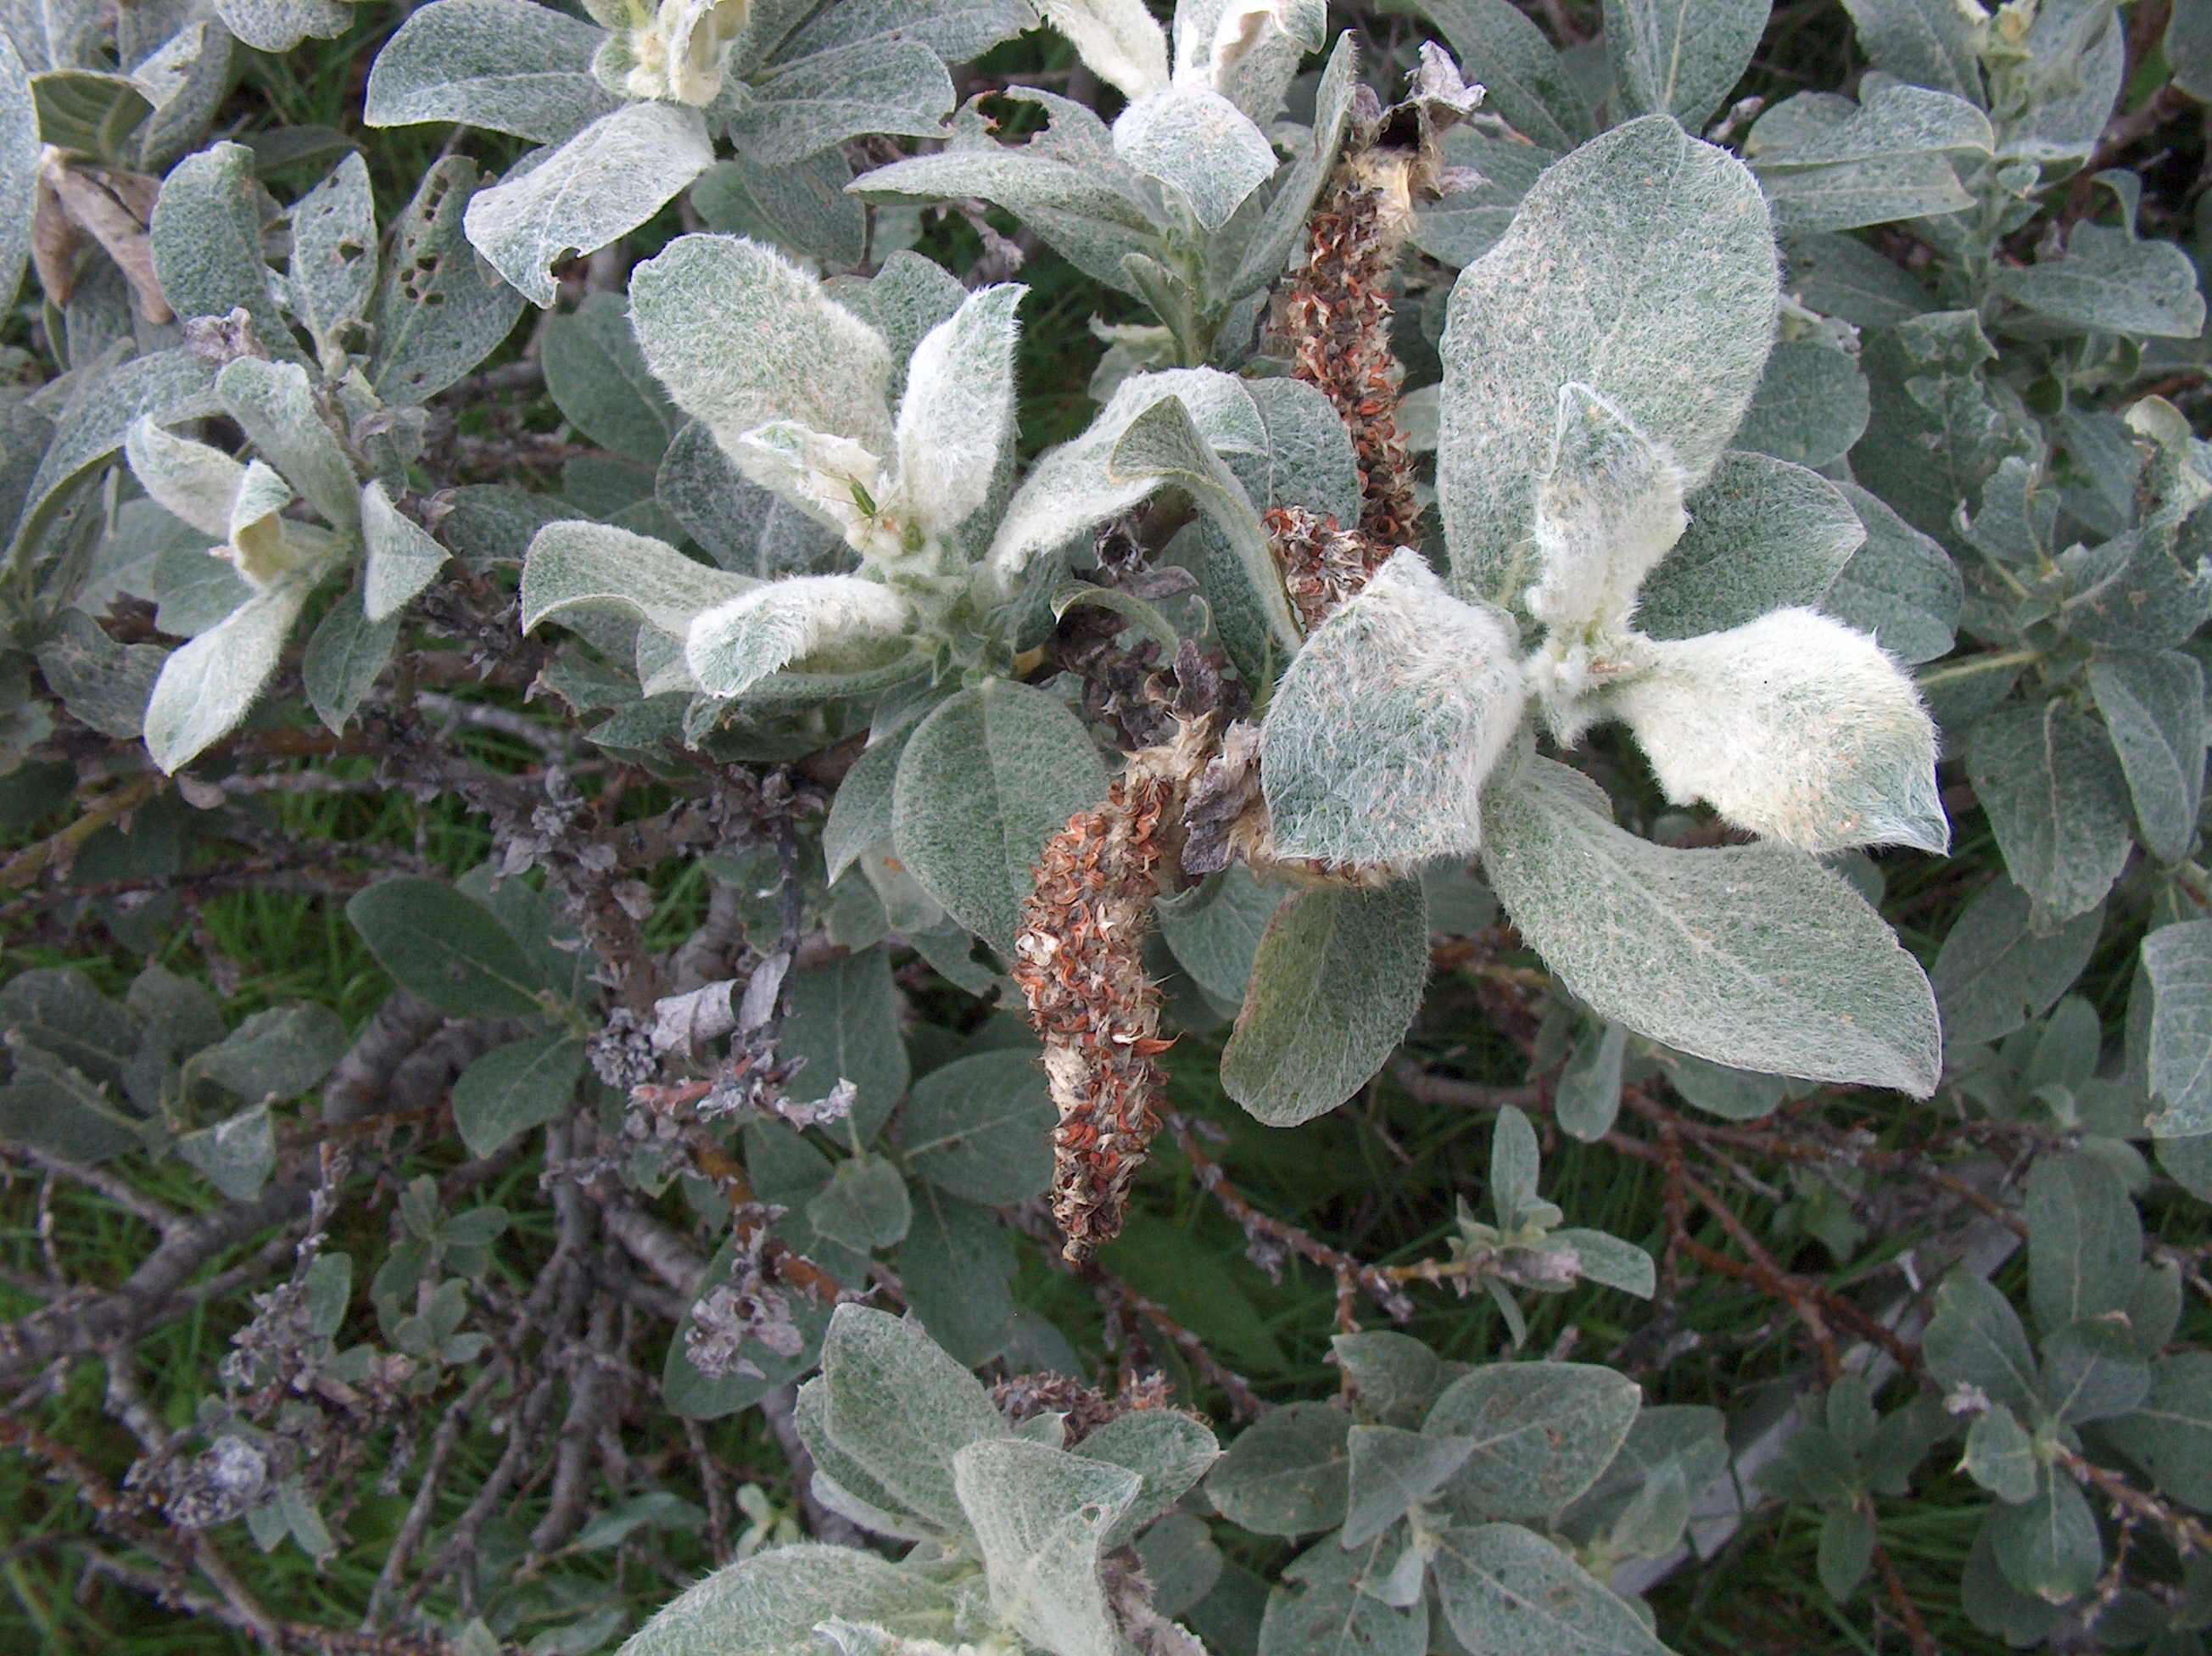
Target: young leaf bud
x=1793 y=725
x=1609 y=510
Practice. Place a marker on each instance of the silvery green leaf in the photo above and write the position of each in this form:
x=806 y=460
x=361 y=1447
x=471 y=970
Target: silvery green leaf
x=1522 y=76
x=803 y=206
x=981 y=1127
x=1287 y=1473
x=2189 y=47
x=331 y=275
x=2178 y=960
x=1181 y=1563
x=513 y=1088
x=2080 y=59
x=1642 y=253
x=958 y=410
x=1167 y=1448
x=1382 y=731
x=883 y=85
x=2057 y=799
x=1039 y=1515
x=1391 y=1378
x=2109 y=280
x=1071 y=488
x=2132 y=594
x=769 y=1604
x=1345 y=1608
x=1283 y=223
x=844 y=1022
x=1609 y=1261
x=2171 y=1435
x=1808 y=200
x=168 y=387
x=2092 y=1372
x=1467 y=222
x=861 y=816
x=1975 y=1339
x=2084 y=1241
x=189 y=480
x=438 y=310
x=1794 y=974
x=701 y=488
x=1064 y=180
x=742 y=337
x=1214 y=929
x=1335 y=984
x=1508 y=1591
x=345 y=654
x=1199 y=144
x=1819 y=129
x=1811 y=405
x=596 y=374
x=985 y=780
x=1679 y=58
x=2048 y=1546
x=1794 y=727
x=102 y=683
x=277 y=1054
x=2153 y=708
x=1165 y=444
x=735 y=645
x=274 y=405
x=206 y=686
x=579 y=566
x=447 y=948
x=1763 y=535
x=89 y=112
x=1609 y=506
x=1117 y=40
x=1840 y=276
x=1994 y=1604
x=957 y=30
x=1391 y=1470
x=238 y=1155
x=600 y=184
x=19 y=151
x=1846 y=1550
x=1922 y=41
x=254 y=528
x=1899 y=586
x=195 y=588
x=279 y=25
x=205 y=234
x=505 y=66
x=1936 y=431
x=958 y=1268
x=1589 y=1094
x=865 y=1205
x=1995 y=971
x=2000 y=1456
x=1541 y=1434
x=903 y=301
x=402 y=559
x=902 y=1410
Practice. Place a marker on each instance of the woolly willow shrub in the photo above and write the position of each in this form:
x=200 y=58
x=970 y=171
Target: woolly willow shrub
x=1706 y=466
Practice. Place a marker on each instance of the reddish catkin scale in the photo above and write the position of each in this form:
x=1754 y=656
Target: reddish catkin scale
x=1078 y=967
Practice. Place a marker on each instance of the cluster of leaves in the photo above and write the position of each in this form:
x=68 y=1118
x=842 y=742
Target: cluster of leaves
x=1781 y=476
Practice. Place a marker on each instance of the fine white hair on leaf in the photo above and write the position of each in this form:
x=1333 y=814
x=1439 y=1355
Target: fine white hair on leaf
x=1793 y=725
x=1387 y=722
x=958 y=410
x=833 y=479
x=1607 y=511
x=1118 y=41
x=187 y=479
x=735 y=645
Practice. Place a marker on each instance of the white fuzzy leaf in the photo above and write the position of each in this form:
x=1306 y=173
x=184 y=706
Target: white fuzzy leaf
x=1793 y=725
x=188 y=480
x=331 y=275
x=578 y=566
x=262 y=494
x=1117 y=40
x=505 y=66
x=1752 y=956
x=1640 y=265
x=602 y=184
x=1039 y=1515
x=743 y=338
x=274 y=405
x=1609 y=507
x=206 y=686
x=734 y=646
x=958 y=410
x=825 y=476
x=1070 y=489
x=1380 y=734
x=19 y=151
x=1764 y=535
x=402 y=559
x=1680 y=57
x=1198 y=143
